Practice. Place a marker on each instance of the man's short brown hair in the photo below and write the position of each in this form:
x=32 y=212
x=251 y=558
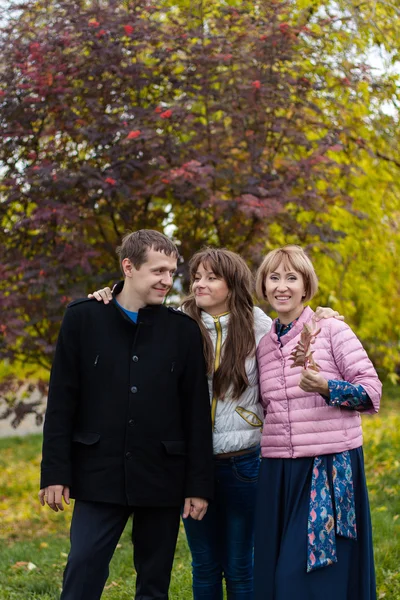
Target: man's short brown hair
x=136 y=244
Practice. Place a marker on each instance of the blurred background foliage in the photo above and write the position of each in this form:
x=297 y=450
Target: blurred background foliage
x=239 y=124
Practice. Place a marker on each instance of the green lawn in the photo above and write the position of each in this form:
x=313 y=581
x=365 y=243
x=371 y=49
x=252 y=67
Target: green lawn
x=34 y=541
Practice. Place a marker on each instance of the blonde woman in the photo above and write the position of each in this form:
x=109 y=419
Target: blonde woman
x=313 y=527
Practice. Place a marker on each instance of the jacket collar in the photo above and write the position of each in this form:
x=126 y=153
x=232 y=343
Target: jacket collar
x=145 y=315
x=305 y=316
x=209 y=321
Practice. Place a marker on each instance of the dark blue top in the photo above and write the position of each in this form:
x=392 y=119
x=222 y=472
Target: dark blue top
x=132 y=315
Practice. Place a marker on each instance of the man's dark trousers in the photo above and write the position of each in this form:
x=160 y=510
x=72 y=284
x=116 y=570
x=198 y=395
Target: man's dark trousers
x=96 y=528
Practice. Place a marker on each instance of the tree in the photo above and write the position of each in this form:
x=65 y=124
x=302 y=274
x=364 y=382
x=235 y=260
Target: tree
x=229 y=121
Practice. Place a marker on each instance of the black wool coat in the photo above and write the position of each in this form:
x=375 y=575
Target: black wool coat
x=128 y=413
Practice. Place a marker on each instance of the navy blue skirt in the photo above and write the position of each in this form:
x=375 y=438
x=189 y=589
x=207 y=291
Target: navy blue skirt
x=280 y=570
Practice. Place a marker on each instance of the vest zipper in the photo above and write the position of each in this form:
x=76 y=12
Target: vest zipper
x=217 y=362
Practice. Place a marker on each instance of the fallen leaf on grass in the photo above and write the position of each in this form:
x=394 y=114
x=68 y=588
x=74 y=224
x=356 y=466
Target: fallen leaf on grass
x=29 y=566
x=112 y=584
x=44 y=545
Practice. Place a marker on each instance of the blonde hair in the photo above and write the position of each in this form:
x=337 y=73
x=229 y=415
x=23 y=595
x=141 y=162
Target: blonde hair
x=292 y=257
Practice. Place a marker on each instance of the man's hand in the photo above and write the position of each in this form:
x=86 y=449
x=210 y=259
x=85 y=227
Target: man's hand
x=195 y=507
x=324 y=312
x=313 y=382
x=53 y=495
x=103 y=295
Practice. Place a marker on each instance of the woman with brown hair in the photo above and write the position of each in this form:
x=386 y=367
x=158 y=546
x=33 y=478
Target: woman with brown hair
x=222 y=304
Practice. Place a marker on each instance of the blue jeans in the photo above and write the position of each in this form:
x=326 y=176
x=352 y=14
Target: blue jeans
x=222 y=543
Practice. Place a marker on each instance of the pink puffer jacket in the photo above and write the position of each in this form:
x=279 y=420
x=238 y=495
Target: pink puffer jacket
x=299 y=423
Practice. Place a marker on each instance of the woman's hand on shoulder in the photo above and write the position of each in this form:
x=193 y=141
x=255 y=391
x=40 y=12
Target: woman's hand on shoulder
x=325 y=312
x=311 y=381
x=103 y=295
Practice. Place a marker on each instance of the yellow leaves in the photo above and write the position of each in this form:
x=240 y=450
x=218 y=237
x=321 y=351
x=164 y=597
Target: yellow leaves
x=303 y=4
x=393 y=378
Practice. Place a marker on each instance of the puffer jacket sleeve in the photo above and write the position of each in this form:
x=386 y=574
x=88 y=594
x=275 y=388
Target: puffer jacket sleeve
x=353 y=362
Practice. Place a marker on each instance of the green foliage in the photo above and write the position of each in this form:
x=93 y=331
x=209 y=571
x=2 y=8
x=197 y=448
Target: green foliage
x=358 y=274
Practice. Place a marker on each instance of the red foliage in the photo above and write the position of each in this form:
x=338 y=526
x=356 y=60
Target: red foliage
x=166 y=114
x=110 y=180
x=133 y=134
x=129 y=29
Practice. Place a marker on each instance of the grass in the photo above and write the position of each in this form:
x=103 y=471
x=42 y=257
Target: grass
x=34 y=541
x=382 y=459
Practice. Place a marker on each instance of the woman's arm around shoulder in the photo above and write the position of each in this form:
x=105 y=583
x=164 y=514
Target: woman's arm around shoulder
x=353 y=362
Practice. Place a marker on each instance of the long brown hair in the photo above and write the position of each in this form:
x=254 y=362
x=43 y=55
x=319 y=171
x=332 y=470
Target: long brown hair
x=240 y=342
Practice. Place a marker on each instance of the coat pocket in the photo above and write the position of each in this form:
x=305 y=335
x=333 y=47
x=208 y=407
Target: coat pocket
x=86 y=437
x=176 y=448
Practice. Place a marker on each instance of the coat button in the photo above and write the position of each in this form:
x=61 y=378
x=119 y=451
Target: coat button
x=131 y=422
x=128 y=455
x=135 y=358
x=134 y=389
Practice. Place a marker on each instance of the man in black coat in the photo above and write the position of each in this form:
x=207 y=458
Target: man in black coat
x=127 y=427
